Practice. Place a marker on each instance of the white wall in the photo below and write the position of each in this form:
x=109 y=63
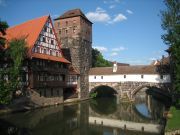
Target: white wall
x=154 y=78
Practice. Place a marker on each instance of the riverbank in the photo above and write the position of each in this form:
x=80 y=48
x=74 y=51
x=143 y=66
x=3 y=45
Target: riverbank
x=23 y=107
x=173 y=122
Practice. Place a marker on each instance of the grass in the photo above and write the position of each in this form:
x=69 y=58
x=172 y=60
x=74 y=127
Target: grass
x=174 y=122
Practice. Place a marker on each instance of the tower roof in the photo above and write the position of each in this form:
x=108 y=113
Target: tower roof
x=31 y=30
x=73 y=13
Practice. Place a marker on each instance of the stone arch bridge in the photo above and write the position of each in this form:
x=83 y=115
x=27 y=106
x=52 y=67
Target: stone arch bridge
x=128 y=89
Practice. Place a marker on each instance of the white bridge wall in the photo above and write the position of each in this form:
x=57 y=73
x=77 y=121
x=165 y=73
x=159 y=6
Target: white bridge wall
x=153 y=78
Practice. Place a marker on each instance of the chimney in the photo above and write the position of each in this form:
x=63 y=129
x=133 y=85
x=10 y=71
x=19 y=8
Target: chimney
x=114 y=67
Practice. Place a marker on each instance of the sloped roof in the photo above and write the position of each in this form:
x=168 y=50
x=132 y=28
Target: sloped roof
x=73 y=13
x=30 y=30
x=124 y=70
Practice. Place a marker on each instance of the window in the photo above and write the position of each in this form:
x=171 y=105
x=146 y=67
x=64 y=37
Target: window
x=66 y=32
x=58 y=24
x=161 y=76
x=38 y=49
x=44 y=39
x=45 y=29
x=45 y=51
x=101 y=77
x=66 y=23
x=56 y=53
x=124 y=76
x=51 y=31
x=59 y=32
x=74 y=29
x=94 y=77
x=52 y=42
x=142 y=76
x=50 y=52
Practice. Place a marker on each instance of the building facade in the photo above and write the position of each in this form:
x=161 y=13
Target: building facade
x=45 y=69
x=74 y=31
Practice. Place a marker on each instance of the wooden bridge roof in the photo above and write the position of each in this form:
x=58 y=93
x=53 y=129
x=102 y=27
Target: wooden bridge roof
x=148 y=69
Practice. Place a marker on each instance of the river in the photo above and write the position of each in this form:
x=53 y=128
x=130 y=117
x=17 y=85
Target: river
x=91 y=117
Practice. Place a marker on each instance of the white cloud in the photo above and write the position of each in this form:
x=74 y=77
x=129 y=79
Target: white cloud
x=121 y=48
x=101 y=48
x=112 y=6
x=54 y=16
x=120 y=17
x=114 y=54
x=129 y=11
x=100 y=15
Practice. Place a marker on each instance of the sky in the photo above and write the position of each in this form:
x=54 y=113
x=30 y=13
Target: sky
x=126 y=31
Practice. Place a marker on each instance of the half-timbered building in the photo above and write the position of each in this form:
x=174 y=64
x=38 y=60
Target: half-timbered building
x=45 y=69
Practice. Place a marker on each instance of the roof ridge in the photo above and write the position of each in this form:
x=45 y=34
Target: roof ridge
x=28 y=21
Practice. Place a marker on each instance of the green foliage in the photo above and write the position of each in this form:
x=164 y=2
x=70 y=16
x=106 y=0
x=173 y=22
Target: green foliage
x=171 y=25
x=93 y=95
x=174 y=122
x=16 y=53
x=98 y=60
x=3 y=27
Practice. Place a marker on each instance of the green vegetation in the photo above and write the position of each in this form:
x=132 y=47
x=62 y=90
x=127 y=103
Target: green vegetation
x=171 y=25
x=10 y=74
x=174 y=122
x=93 y=95
x=98 y=60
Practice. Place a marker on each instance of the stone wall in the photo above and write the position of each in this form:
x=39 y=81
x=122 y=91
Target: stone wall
x=128 y=88
x=39 y=98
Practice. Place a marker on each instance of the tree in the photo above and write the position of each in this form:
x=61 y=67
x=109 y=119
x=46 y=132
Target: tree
x=3 y=27
x=171 y=25
x=98 y=60
x=10 y=74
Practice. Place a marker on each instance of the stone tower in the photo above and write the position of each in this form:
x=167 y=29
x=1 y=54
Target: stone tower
x=74 y=32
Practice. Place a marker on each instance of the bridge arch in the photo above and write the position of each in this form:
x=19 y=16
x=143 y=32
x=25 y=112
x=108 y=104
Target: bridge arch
x=142 y=86
x=104 y=90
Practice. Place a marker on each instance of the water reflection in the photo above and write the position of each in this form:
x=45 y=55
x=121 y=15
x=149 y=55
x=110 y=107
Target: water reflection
x=75 y=119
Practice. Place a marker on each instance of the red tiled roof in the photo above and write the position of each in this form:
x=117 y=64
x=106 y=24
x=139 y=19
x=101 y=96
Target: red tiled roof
x=31 y=30
x=73 y=13
x=49 y=57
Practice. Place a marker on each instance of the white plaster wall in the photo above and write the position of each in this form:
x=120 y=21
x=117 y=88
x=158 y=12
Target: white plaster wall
x=154 y=78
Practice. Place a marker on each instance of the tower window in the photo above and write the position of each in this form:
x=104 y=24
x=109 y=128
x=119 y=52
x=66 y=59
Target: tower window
x=94 y=77
x=59 y=32
x=50 y=52
x=124 y=76
x=66 y=32
x=101 y=77
x=58 y=24
x=66 y=23
x=142 y=76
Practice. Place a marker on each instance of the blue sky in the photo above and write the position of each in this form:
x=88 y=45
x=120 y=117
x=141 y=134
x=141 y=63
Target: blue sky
x=127 y=31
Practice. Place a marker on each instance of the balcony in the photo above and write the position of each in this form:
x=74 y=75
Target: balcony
x=49 y=84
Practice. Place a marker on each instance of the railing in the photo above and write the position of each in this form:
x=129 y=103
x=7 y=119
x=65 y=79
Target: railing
x=49 y=84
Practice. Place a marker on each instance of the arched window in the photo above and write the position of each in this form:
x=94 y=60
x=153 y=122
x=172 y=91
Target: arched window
x=50 y=52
